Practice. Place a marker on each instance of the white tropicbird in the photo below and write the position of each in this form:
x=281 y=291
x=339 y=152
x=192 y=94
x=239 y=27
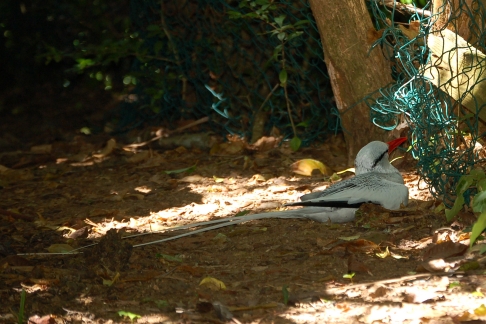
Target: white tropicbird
x=376 y=181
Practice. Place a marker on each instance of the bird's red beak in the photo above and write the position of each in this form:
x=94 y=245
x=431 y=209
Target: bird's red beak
x=392 y=145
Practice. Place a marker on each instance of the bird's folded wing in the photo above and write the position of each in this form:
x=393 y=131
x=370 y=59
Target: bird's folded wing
x=364 y=188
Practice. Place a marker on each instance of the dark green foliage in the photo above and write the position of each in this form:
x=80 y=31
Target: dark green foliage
x=475 y=181
x=178 y=59
x=49 y=47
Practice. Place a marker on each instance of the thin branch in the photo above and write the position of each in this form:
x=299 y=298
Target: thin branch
x=174 y=49
x=289 y=111
x=197 y=122
x=268 y=97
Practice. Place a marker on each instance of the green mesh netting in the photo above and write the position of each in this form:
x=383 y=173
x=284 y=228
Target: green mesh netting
x=437 y=96
x=206 y=64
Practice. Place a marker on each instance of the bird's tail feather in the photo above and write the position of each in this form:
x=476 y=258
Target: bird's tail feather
x=319 y=214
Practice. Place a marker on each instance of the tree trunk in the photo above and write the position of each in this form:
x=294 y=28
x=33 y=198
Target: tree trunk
x=343 y=26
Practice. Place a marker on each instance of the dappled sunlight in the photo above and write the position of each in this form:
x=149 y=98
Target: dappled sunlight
x=112 y=221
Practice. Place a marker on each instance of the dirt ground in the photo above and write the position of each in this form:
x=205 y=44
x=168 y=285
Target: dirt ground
x=93 y=195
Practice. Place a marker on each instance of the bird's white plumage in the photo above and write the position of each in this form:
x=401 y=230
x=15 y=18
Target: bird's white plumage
x=376 y=181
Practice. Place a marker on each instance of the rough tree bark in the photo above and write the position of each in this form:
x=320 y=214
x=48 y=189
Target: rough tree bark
x=343 y=26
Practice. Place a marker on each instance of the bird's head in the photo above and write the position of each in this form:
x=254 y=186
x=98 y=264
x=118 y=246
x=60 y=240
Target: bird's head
x=373 y=157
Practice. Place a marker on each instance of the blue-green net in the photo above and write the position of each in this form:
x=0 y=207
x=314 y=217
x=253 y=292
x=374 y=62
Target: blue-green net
x=444 y=133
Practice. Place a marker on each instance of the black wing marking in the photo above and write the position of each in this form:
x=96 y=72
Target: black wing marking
x=325 y=203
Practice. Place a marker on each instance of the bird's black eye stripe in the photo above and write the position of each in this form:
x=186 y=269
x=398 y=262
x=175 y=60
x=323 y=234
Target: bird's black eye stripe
x=378 y=159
